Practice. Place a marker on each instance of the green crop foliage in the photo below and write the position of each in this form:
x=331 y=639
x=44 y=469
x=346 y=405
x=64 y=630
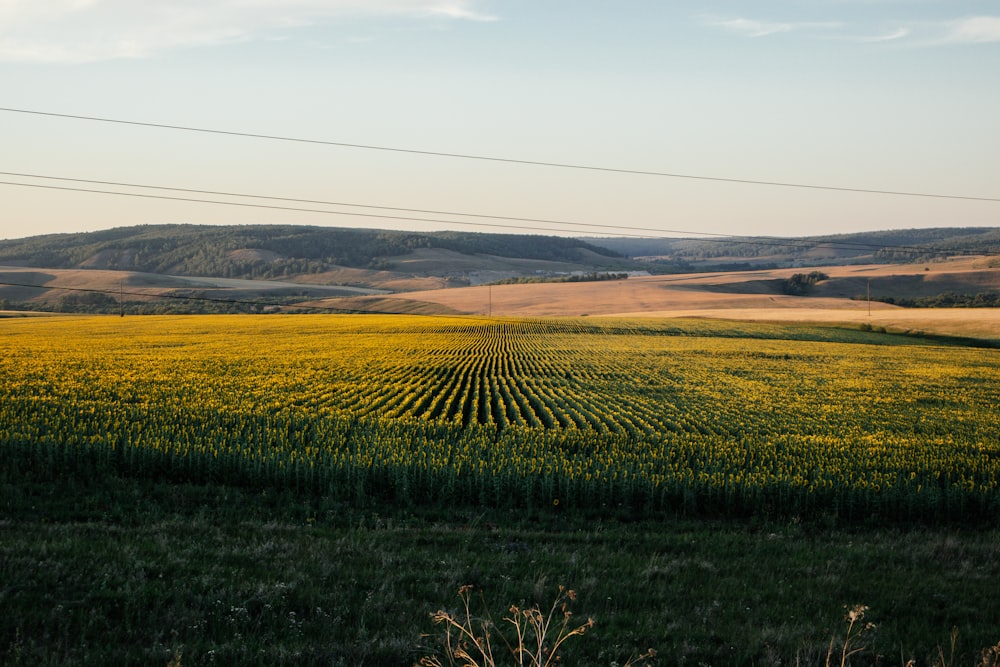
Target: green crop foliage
x=641 y=417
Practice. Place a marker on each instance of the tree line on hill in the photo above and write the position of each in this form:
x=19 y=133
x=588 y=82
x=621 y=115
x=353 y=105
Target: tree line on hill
x=943 y=300
x=290 y=250
x=284 y=250
x=905 y=245
x=96 y=303
x=593 y=276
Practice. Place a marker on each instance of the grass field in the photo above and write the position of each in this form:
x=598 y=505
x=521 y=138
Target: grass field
x=107 y=570
x=305 y=489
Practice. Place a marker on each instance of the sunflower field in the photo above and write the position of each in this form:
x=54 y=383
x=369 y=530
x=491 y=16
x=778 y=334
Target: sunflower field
x=652 y=416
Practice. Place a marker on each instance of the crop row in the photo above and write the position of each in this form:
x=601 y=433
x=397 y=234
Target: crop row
x=649 y=416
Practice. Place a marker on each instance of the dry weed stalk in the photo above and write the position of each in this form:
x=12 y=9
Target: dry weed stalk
x=854 y=616
x=989 y=657
x=538 y=635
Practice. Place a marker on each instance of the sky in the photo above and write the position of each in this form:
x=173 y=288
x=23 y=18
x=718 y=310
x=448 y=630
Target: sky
x=888 y=95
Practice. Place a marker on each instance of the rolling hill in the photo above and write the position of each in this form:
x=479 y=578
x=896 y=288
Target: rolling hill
x=890 y=246
x=196 y=266
x=186 y=268
x=269 y=252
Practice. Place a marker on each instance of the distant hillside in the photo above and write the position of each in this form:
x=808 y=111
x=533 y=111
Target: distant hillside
x=188 y=268
x=390 y=259
x=273 y=252
x=892 y=246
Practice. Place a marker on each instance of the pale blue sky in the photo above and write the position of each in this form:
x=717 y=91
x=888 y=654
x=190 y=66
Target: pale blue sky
x=897 y=95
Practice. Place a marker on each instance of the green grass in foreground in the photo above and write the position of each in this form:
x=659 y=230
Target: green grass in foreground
x=117 y=571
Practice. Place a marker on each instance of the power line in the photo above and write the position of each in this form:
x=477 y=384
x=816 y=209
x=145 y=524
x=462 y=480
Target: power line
x=756 y=239
x=536 y=163
x=275 y=207
x=351 y=204
x=619 y=230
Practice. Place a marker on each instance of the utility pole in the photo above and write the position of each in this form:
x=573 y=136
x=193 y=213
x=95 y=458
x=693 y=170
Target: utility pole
x=121 y=298
x=869 y=298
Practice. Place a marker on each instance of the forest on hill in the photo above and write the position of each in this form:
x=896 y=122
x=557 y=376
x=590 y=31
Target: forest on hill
x=194 y=268
x=269 y=252
x=889 y=246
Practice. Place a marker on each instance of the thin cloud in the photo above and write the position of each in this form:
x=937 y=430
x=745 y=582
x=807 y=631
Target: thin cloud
x=895 y=35
x=890 y=37
x=970 y=30
x=456 y=11
x=973 y=30
x=753 y=28
x=76 y=31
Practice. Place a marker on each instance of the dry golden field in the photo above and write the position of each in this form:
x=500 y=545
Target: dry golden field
x=735 y=295
x=744 y=296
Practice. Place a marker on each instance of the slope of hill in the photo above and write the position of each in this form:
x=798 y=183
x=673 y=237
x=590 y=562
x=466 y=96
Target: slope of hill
x=186 y=268
x=278 y=252
x=95 y=271
x=902 y=245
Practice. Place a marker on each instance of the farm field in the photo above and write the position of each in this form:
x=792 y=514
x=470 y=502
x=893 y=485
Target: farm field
x=544 y=441
x=691 y=417
x=735 y=295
